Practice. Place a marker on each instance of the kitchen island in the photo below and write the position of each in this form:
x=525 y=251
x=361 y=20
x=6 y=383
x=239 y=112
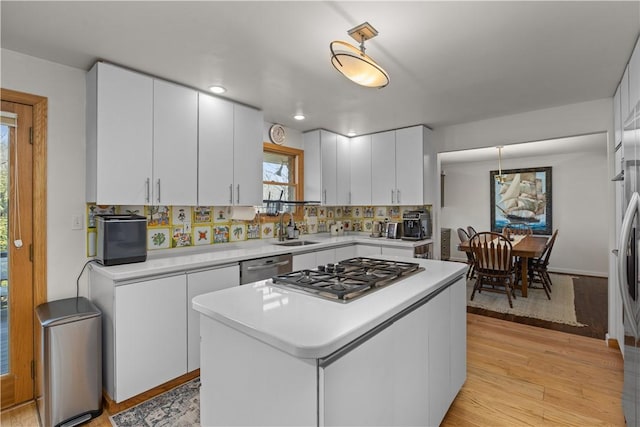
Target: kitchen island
x=271 y=355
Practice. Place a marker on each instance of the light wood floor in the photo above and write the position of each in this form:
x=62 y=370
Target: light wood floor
x=516 y=375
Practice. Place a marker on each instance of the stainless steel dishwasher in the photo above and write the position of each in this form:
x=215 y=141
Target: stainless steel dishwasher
x=264 y=268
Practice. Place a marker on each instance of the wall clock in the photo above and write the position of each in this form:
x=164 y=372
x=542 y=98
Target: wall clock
x=277 y=134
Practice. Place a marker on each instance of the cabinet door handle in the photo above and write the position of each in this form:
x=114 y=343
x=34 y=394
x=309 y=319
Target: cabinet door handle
x=238 y=195
x=398 y=195
x=324 y=196
x=392 y=196
x=231 y=194
x=349 y=197
x=148 y=194
x=158 y=190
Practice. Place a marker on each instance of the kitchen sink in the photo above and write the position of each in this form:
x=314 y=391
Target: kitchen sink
x=296 y=243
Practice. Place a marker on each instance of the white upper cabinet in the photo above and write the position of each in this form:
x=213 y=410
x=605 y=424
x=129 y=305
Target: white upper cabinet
x=383 y=168
x=215 y=158
x=410 y=166
x=617 y=120
x=119 y=136
x=247 y=156
x=175 y=144
x=343 y=171
x=327 y=167
x=328 y=143
x=360 y=170
x=624 y=96
x=634 y=78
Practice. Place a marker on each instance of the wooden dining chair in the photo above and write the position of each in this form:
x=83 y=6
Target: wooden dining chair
x=493 y=264
x=464 y=237
x=471 y=231
x=539 y=272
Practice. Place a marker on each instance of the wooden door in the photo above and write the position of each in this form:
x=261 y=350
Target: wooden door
x=16 y=249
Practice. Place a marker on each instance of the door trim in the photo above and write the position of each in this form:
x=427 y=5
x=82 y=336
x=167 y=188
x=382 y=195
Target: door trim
x=40 y=109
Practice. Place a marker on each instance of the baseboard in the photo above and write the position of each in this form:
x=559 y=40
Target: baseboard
x=115 y=407
x=612 y=343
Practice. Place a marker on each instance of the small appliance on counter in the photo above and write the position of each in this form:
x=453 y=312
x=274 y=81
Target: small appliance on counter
x=394 y=230
x=416 y=225
x=122 y=239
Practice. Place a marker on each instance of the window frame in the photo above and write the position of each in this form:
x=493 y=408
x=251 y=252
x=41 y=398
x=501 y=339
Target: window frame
x=298 y=172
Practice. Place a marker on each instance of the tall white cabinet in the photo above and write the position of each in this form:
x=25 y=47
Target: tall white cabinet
x=327 y=168
x=119 y=136
x=360 y=170
x=175 y=144
x=152 y=142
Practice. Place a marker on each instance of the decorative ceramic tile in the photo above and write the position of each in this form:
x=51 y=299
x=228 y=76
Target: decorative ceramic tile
x=181 y=236
x=130 y=210
x=367 y=225
x=312 y=225
x=253 y=231
x=322 y=227
x=368 y=211
x=331 y=213
x=221 y=214
x=322 y=212
x=357 y=212
x=303 y=227
x=93 y=210
x=157 y=216
x=381 y=212
x=267 y=230
x=313 y=211
x=201 y=235
x=238 y=232
x=338 y=212
x=346 y=225
x=158 y=238
x=202 y=214
x=221 y=234
x=356 y=225
x=393 y=212
x=180 y=214
x=91 y=243
x=347 y=212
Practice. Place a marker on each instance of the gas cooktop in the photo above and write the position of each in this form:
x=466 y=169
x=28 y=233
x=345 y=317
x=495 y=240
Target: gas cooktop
x=348 y=279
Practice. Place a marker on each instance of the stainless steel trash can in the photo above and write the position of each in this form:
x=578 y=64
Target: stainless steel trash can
x=70 y=383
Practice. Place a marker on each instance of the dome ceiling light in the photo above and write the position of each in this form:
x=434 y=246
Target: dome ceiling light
x=354 y=64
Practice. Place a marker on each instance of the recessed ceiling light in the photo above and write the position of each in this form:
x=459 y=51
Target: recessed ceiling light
x=351 y=133
x=217 y=89
x=299 y=117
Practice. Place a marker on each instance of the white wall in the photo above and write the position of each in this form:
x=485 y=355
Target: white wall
x=293 y=137
x=65 y=89
x=578 y=187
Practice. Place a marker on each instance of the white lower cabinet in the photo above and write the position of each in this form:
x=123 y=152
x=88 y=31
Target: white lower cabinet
x=304 y=261
x=367 y=250
x=345 y=252
x=407 y=374
x=198 y=283
x=406 y=252
x=149 y=335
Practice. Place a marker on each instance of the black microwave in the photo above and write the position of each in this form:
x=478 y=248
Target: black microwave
x=122 y=239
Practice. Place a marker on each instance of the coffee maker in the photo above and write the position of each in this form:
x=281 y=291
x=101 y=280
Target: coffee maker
x=416 y=225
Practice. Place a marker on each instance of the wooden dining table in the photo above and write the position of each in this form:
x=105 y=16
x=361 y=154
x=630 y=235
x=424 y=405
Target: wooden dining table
x=525 y=248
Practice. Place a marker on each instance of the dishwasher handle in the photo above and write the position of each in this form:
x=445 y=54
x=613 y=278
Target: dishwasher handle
x=265 y=266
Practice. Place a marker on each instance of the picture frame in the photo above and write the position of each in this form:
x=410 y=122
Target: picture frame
x=524 y=196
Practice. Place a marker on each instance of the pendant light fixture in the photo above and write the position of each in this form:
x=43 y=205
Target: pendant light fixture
x=354 y=64
x=500 y=178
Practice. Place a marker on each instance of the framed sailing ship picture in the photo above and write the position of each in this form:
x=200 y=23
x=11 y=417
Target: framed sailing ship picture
x=522 y=196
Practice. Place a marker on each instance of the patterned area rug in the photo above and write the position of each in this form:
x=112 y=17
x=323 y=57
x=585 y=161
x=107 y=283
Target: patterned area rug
x=178 y=407
x=560 y=309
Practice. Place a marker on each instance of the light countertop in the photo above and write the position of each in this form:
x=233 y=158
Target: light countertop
x=307 y=326
x=193 y=258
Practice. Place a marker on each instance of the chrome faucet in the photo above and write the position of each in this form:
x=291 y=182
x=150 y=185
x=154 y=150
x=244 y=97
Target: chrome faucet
x=281 y=237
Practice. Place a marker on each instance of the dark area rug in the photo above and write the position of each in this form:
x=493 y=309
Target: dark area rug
x=591 y=307
x=179 y=407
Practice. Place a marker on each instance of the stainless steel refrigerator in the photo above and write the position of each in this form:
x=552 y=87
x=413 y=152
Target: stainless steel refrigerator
x=628 y=268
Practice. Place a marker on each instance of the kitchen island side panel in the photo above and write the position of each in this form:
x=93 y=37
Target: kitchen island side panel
x=246 y=382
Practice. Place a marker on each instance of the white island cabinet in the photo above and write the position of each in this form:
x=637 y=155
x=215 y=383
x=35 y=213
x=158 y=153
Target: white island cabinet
x=272 y=356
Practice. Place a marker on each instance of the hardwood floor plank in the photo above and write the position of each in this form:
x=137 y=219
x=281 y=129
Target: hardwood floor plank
x=517 y=375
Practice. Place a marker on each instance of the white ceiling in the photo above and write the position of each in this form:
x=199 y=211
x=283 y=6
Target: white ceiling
x=596 y=142
x=449 y=62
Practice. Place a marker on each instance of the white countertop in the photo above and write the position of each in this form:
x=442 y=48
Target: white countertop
x=180 y=260
x=307 y=326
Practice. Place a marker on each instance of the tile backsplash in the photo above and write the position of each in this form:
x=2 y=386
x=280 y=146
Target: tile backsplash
x=184 y=226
